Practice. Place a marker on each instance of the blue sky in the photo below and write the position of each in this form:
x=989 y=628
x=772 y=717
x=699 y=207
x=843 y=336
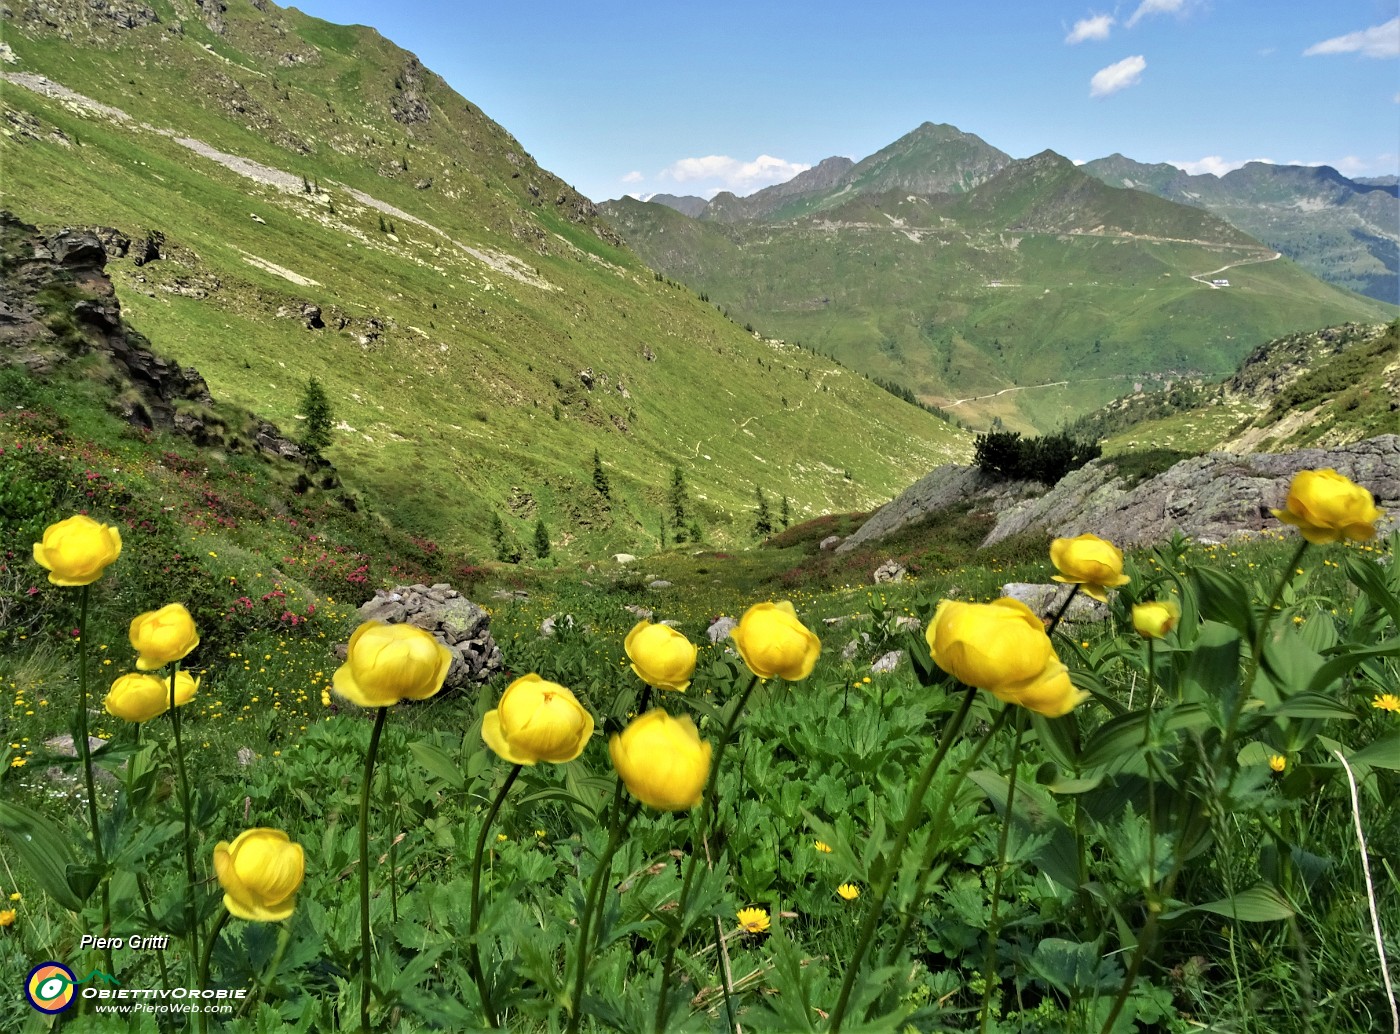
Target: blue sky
x=619 y=97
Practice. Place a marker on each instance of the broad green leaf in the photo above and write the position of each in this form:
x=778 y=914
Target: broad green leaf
x=1370 y=578
x=1343 y=663
x=1310 y=705
x=1261 y=903
x=47 y=854
x=436 y=763
x=1225 y=598
x=1380 y=753
x=1121 y=737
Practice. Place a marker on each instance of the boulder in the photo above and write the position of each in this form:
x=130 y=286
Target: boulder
x=889 y=571
x=720 y=628
x=1046 y=600
x=455 y=621
x=829 y=543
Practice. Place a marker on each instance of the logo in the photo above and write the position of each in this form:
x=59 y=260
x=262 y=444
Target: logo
x=50 y=987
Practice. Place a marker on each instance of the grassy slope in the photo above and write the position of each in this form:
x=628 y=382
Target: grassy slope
x=1313 y=389
x=1037 y=281
x=453 y=406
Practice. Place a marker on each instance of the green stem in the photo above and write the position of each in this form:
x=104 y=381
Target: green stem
x=284 y=936
x=1257 y=651
x=993 y=923
x=203 y=980
x=1055 y=622
x=191 y=909
x=144 y=889
x=365 y=787
x=1151 y=774
x=85 y=752
x=616 y=828
x=708 y=806
x=473 y=953
x=884 y=878
x=668 y=964
x=925 y=867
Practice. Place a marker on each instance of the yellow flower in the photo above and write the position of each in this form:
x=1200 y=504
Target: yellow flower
x=1387 y=702
x=261 y=872
x=1326 y=507
x=753 y=920
x=7 y=918
x=774 y=643
x=1154 y=620
x=1089 y=562
x=849 y=891
x=162 y=636
x=76 y=551
x=660 y=655
x=535 y=721
x=1002 y=647
x=140 y=697
x=385 y=664
x=16 y=896
x=662 y=760
x=823 y=847
x=1278 y=762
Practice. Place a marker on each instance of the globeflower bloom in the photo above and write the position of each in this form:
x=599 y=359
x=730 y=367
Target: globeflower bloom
x=1002 y=647
x=162 y=636
x=261 y=872
x=77 y=550
x=774 y=643
x=662 y=760
x=1090 y=562
x=537 y=720
x=661 y=656
x=139 y=697
x=1154 y=620
x=1327 y=507
x=385 y=664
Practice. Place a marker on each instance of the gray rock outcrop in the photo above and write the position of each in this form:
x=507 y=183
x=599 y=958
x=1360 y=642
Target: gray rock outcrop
x=1212 y=496
x=937 y=490
x=455 y=621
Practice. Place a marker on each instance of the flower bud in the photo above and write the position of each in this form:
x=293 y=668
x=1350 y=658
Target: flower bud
x=261 y=872
x=660 y=655
x=1326 y=507
x=537 y=720
x=162 y=636
x=140 y=697
x=1154 y=620
x=1089 y=562
x=774 y=643
x=385 y=664
x=662 y=760
x=77 y=550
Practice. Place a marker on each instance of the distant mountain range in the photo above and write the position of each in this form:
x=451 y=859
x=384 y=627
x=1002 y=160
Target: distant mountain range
x=1025 y=291
x=285 y=198
x=1344 y=231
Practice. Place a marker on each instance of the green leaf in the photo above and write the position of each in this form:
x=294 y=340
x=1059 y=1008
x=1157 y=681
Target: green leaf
x=1261 y=903
x=1310 y=705
x=436 y=763
x=1124 y=736
x=1343 y=663
x=1213 y=666
x=47 y=854
x=1370 y=578
x=1379 y=753
x=1225 y=598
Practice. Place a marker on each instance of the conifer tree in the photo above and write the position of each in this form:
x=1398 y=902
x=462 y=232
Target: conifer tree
x=763 y=517
x=784 y=514
x=541 y=539
x=316 y=407
x=600 y=477
x=507 y=549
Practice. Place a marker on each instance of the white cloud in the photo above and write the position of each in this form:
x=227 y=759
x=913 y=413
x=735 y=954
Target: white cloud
x=1377 y=41
x=731 y=174
x=633 y=177
x=1095 y=27
x=1149 y=7
x=1215 y=165
x=1117 y=76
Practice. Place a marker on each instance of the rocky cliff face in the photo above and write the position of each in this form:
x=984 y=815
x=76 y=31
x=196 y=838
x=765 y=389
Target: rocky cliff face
x=57 y=305
x=1208 y=497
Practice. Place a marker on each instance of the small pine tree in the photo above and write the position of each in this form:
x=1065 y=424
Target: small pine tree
x=600 y=477
x=507 y=549
x=382 y=228
x=541 y=539
x=316 y=407
x=784 y=514
x=763 y=517
x=678 y=499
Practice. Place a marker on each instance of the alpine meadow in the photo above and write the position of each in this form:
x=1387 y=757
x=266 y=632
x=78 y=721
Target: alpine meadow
x=933 y=591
